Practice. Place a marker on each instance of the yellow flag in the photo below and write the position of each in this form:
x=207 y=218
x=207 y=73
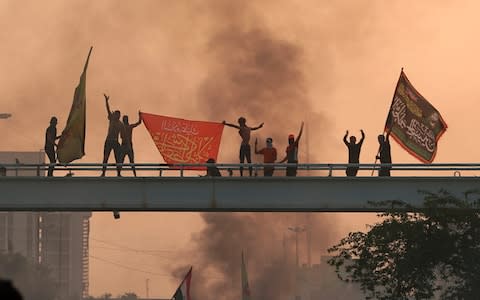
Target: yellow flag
x=72 y=142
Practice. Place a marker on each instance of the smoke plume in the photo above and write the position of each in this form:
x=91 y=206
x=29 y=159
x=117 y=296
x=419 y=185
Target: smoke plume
x=269 y=249
x=254 y=73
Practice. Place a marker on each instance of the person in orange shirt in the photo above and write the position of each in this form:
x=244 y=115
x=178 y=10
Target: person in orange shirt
x=269 y=156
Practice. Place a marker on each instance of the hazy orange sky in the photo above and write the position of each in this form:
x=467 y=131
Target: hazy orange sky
x=157 y=55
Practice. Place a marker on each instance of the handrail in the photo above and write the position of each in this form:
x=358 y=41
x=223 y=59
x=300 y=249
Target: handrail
x=161 y=167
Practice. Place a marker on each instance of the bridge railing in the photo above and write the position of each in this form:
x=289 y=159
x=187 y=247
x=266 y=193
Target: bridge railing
x=161 y=169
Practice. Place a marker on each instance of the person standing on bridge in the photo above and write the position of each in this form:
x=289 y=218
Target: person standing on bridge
x=50 y=138
x=212 y=169
x=354 y=149
x=115 y=126
x=269 y=156
x=244 y=132
x=127 y=146
x=384 y=154
x=291 y=156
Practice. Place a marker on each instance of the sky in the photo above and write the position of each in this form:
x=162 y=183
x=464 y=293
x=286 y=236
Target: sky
x=332 y=63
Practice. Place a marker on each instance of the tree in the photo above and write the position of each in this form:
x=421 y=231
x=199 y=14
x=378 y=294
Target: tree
x=129 y=296
x=107 y=296
x=416 y=253
x=32 y=280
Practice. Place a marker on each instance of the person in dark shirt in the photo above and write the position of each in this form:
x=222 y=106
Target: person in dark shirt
x=354 y=149
x=269 y=156
x=384 y=154
x=244 y=132
x=115 y=126
x=291 y=156
x=212 y=170
x=50 y=138
x=126 y=135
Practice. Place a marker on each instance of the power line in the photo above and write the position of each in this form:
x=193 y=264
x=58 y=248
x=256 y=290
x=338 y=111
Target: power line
x=129 y=267
x=129 y=248
x=135 y=251
x=144 y=271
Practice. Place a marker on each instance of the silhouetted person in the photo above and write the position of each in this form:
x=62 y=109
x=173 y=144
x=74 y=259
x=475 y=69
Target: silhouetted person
x=126 y=134
x=212 y=170
x=111 y=142
x=50 y=138
x=353 y=152
x=292 y=153
x=269 y=156
x=244 y=132
x=384 y=154
x=8 y=291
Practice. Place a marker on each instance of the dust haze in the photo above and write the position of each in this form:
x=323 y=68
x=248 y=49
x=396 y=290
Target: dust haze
x=333 y=65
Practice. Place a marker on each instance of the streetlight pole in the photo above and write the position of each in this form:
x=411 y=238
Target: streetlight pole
x=297 y=230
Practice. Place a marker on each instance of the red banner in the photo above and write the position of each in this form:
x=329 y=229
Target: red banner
x=182 y=141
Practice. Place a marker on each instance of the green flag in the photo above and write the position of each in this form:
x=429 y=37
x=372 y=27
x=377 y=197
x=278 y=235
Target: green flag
x=72 y=142
x=413 y=122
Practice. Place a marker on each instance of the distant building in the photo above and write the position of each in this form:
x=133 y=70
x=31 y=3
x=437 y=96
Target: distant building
x=320 y=282
x=57 y=240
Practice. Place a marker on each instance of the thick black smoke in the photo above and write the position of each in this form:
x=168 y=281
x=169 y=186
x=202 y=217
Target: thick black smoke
x=254 y=73
x=269 y=250
x=258 y=76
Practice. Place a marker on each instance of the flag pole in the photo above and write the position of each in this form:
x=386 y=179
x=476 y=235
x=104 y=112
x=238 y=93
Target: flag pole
x=387 y=122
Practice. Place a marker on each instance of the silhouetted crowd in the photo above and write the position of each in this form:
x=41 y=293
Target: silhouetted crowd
x=116 y=129
x=124 y=130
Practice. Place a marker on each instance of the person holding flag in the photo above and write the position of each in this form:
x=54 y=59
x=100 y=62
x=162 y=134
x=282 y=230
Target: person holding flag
x=50 y=138
x=115 y=127
x=384 y=154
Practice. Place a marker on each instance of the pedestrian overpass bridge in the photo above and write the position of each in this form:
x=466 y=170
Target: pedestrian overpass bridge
x=160 y=187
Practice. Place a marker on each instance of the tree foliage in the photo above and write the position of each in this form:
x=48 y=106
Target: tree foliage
x=107 y=296
x=129 y=296
x=416 y=253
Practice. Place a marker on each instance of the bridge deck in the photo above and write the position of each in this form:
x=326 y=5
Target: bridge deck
x=276 y=194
